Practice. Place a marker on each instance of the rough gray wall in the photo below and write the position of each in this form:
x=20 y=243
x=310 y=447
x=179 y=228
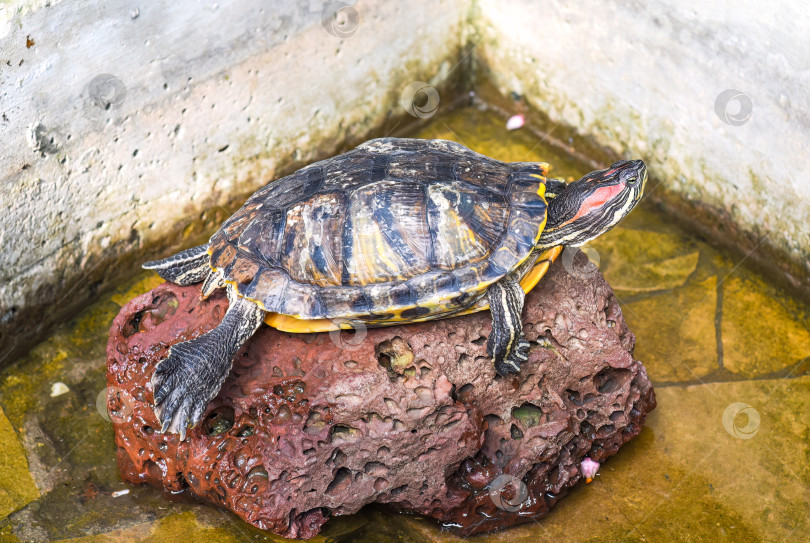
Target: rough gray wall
x=713 y=95
x=128 y=127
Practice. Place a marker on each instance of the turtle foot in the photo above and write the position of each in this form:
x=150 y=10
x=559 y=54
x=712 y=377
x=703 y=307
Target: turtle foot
x=512 y=361
x=184 y=383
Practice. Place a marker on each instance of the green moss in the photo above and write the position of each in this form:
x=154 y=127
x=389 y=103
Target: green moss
x=22 y=391
x=528 y=415
x=17 y=487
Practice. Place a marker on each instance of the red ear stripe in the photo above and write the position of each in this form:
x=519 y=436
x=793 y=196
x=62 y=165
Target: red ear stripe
x=598 y=199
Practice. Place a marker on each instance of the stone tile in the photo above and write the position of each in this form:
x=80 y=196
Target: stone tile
x=675 y=331
x=17 y=487
x=644 y=261
x=764 y=331
x=204 y=525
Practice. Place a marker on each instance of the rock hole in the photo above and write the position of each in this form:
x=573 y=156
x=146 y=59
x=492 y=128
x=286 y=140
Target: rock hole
x=133 y=324
x=605 y=431
x=465 y=390
x=283 y=416
x=527 y=414
x=338 y=458
x=259 y=473
x=375 y=468
x=399 y=490
x=449 y=426
x=219 y=421
x=574 y=397
x=587 y=430
x=342 y=480
x=395 y=354
x=384 y=360
x=616 y=416
x=245 y=431
x=380 y=484
x=515 y=432
x=554 y=476
x=609 y=380
x=343 y=432
x=234 y=482
x=480 y=341
x=314 y=424
x=493 y=421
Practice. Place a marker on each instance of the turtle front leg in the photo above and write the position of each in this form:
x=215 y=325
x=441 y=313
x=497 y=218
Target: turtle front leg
x=506 y=344
x=194 y=371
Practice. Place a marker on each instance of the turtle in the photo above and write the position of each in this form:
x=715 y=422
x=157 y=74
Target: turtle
x=395 y=231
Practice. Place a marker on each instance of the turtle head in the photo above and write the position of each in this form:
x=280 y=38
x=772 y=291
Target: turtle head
x=582 y=210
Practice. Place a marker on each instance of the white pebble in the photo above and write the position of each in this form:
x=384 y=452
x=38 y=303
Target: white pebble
x=515 y=122
x=120 y=493
x=58 y=388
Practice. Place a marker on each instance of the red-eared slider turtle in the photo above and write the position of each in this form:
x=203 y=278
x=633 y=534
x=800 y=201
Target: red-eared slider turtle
x=394 y=231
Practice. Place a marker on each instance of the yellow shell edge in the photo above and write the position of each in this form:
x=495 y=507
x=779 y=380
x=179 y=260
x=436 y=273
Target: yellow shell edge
x=286 y=323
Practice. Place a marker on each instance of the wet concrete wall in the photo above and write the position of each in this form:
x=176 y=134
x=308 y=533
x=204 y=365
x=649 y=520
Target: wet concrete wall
x=130 y=129
x=713 y=95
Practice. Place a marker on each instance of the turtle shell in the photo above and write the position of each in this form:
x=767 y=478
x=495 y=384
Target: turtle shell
x=395 y=230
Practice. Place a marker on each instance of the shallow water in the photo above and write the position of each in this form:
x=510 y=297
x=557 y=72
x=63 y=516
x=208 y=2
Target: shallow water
x=724 y=456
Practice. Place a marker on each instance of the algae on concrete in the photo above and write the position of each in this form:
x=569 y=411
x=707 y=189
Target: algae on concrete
x=17 y=487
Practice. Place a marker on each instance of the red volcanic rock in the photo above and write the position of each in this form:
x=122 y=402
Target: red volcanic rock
x=314 y=425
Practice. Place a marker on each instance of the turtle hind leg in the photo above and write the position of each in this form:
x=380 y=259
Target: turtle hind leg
x=194 y=371
x=184 y=268
x=506 y=344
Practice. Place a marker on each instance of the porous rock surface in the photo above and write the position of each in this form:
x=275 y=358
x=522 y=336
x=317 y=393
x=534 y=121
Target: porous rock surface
x=313 y=425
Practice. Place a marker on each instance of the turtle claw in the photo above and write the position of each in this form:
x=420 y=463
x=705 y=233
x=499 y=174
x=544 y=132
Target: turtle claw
x=194 y=371
x=183 y=384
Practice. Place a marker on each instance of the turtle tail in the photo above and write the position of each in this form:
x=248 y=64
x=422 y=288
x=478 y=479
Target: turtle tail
x=184 y=268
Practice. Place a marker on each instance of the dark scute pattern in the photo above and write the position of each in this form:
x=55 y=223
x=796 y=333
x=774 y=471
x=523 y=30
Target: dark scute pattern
x=312 y=239
x=408 y=260
x=396 y=211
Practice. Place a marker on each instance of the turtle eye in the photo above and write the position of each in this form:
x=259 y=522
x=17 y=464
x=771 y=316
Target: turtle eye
x=632 y=180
